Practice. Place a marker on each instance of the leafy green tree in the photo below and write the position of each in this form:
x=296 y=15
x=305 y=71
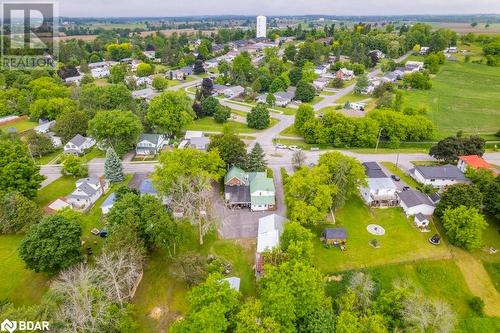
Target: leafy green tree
x=191 y=268
x=222 y=114
x=170 y=112
x=256 y=161
x=17 y=213
x=144 y=69
x=186 y=163
x=74 y=166
x=305 y=92
x=70 y=124
x=361 y=84
x=210 y=105
x=160 y=83
x=290 y=52
x=113 y=169
x=52 y=245
x=111 y=97
x=51 y=108
x=346 y=174
x=278 y=84
x=464 y=226
x=417 y=80
x=290 y=293
x=18 y=171
x=259 y=117
x=489 y=185
x=40 y=144
x=459 y=195
x=120 y=129
x=296 y=242
x=242 y=71
x=305 y=112
x=117 y=74
x=212 y=307
x=308 y=195
x=295 y=75
x=230 y=147
x=270 y=100
x=308 y=74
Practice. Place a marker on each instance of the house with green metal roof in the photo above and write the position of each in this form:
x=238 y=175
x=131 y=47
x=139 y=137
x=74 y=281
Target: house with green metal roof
x=249 y=189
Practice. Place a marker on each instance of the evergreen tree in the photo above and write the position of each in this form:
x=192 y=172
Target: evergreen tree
x=256 y=159
x=113 y=169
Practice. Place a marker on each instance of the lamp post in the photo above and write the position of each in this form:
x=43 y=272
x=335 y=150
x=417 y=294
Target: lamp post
x=378 y=139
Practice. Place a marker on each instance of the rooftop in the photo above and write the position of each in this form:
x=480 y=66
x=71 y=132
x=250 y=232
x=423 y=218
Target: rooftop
x=414 y=198
x=335 y=233
x=475 y=161
x=440 y=172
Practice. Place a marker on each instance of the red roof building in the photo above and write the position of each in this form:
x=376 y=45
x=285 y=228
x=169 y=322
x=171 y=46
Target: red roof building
x=473 y=161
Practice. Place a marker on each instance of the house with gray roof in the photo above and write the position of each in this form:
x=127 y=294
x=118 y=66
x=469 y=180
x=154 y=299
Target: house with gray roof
x=78 y=145
x=438 y=176
x=234 y=91
x=150 y=144
x=283 y=98
x=380 y=190
x=145 y=94
x=415 y=202
x=87 y=192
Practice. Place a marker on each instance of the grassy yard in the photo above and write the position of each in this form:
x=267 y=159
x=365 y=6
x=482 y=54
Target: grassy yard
x=159 y=292
x=316 y=100
x=49 y=158
x=20 y=126
x=17 y=283
x=60 y=187
x=464 y=97
x=352 y=98
x=402 y=242
x=208 y=124
x=290 y=131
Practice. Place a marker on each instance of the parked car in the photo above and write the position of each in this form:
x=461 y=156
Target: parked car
x=395 y=178
x=281 y=146
x=294 y=148
x=314 y=148
x=406 y=188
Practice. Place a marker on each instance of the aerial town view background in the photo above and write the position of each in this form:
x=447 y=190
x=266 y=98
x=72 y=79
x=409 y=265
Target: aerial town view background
x=213 y=169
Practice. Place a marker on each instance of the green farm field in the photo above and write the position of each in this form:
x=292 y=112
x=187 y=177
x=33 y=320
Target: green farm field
x=464 y=96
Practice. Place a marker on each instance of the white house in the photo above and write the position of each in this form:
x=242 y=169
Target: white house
x=414 y=202
x=283 y=98
x=321 y=83
x=380 y=190
x=422 y=221
x=79 y=144
x=438 y=176
x=234 y=91
x=414 y=66
x=270 y=229
x=146 y=80
x=234 y=282
x=146 y=94
x=211 y=63
x=150 y=144
x=98 y=73
x=474 y=162
x=424 y=50
x=149 y=54
x=87 y=192
x=359 y=106
x=45 y=127
x=74 y=79
x=321 y=69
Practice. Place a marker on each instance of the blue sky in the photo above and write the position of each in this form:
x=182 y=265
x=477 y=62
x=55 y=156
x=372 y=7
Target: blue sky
x=273 y=7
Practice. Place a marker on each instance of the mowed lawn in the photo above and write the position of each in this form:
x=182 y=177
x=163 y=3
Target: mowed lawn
x=208 y=124
x=402 y=241
x=17 y=283
x=20 y=126
x=464 y=96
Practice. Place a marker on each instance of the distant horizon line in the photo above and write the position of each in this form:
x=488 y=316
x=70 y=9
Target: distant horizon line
x=277 y=16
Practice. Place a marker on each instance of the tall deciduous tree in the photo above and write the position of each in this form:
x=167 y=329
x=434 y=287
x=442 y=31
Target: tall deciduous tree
x=113 y=169
x=230 y=147
x=170 y=112
x=305 y=92
x=459 y=195
x=52 y=245
x=305 y=112
x=464 y=226
x=18 y=171
x=120 y=129
x=40 y=144
x=17 y=213
x=70 y=124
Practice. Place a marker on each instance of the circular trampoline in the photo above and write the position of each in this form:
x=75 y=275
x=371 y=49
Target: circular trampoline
x=375 y=229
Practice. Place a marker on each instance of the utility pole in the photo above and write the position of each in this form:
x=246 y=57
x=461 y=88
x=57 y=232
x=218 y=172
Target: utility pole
x=397 y=160
x=378 y=139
